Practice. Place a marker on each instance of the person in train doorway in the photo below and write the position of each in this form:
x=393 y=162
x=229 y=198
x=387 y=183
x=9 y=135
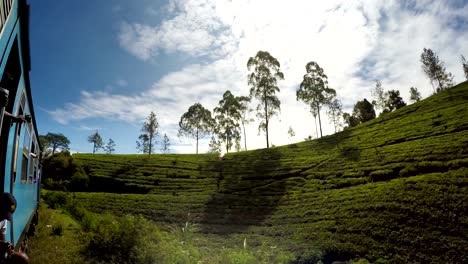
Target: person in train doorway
x=7 y=208
x=8 y=255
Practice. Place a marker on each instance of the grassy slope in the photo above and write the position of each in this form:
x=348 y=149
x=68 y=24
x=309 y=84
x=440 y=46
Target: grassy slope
x=393 y=188
x=47 y=247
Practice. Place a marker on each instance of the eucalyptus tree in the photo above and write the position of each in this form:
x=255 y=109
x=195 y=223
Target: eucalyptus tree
x=415 y=95
x=335 y=112
x=263 y=81
x=465 y=66
x=378 y=95
x=109 y=148
x=314 y=90
x=96 y=139
x=147 y=140
x=245 y=111
x=196 y=123
x=227 y=116
x=165 y=144
x=435 y=70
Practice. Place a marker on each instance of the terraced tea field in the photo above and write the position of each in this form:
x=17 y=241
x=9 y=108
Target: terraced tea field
x=394 y=189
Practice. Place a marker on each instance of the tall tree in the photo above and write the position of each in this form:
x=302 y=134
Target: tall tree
x=350 y=120
x=335 y=112
x=196 y=123
x=415 y=95
x=465 y=66
x=165 y=144
x=149 y=132
x=434 y=68
x=291 y=133
x=109 y=148
x=378 y=95
x=262 y=79
x=393 y=101
x=214 y=146
x=363 y=111
x=96 y=139
x=314 y=89
x=245 y=112
x=54 y=142
x=142 y=144
x=228 y=116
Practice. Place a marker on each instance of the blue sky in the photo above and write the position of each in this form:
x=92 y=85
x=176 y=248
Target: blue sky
x=104 y=65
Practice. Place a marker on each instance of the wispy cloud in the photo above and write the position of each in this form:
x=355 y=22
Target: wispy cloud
x=355 y=42
x=193 y=28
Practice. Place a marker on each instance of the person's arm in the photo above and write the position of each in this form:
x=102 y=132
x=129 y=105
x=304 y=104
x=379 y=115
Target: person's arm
x=14 y=118
x=3 y=230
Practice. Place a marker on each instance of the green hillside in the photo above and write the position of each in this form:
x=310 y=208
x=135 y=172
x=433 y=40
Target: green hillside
x=394 y=189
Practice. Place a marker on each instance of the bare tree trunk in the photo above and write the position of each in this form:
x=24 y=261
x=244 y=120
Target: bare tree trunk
x=320 y=122
x=197 y=141
x=266 y=121
x=245 y=137
x=316 y=128
x=150 y=145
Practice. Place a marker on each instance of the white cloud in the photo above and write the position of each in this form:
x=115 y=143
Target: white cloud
x=355 y=43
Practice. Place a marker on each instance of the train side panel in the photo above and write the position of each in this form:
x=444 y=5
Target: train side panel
x=20 y=148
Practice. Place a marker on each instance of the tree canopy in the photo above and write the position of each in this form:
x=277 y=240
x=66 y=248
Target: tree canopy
x=465 y=66
x=335 y=112
x=165 y=144
x=435 y=70
x=415 y=95
x=147 y=139
x=263 y=81
x=228 y=115
x=54 y=141
x=393 y=101
x=96 y=139
x=109 y=148
x=196 y=123
x=363 y=111
x=314 y=90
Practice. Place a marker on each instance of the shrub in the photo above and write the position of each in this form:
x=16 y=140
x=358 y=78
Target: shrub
x=57 y=230
x=381 y=175
x=55 y=199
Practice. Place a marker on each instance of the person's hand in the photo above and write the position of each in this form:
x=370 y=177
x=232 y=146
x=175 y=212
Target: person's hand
x=6 y=247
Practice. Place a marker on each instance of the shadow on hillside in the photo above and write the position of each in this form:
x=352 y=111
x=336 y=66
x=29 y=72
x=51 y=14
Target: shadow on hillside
x=248 y=190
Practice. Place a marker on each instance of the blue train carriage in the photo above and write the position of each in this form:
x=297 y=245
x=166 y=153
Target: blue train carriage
x=19 y=139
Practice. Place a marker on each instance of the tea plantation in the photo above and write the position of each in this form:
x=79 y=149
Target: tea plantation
x=394 y=189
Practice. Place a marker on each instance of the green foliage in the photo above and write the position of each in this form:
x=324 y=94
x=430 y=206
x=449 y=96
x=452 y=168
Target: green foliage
x=109 y=148
x=435 y=70
x=415 y=95
x=379 y=96
x=57 y=230
x=196 y=123
x=96 y=139
x=465 y=66
x=314 y=90
x=62 y=172
x=228 y=115
x=391 y=190
x=363 y=111
x=54 y=142
x=263 y=81
x=147 y=140
x=165 y=144
x=393 y=101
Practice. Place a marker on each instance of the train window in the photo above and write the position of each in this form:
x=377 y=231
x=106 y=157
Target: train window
x=32 y=163
x=17 y=137
x=24 y=169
